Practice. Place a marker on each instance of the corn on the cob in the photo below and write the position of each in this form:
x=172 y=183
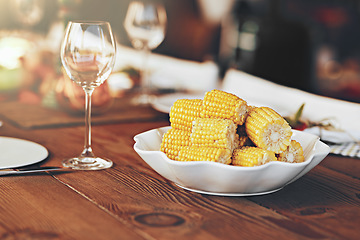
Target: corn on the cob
x=172 y=142
x=268 y=130
x=183 y=112
x=293 y=154
x=213 y=132
x=200 y=153
x=252 y=156
x=220 y=104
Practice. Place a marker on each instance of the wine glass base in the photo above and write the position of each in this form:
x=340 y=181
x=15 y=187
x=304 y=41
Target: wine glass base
x=87 y=163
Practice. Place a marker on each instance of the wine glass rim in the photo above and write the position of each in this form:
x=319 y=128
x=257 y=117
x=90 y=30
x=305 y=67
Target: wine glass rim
x=89 y=22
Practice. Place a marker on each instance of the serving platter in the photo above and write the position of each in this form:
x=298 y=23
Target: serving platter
x=228 y=180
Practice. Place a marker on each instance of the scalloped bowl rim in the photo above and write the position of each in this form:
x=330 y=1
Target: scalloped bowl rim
x=228 y=180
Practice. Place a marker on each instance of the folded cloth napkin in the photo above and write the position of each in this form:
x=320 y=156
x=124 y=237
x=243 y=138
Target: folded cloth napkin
x=350 y=149
x=171 y=73
x=286 y=101
x=335 y=136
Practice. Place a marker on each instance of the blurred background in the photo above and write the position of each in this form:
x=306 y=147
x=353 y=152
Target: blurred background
x=313 y=45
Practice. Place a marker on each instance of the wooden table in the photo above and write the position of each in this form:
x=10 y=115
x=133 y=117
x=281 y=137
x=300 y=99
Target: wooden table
x=131 y=201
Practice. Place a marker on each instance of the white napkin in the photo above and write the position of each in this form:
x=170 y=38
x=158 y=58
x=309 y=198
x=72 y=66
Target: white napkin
x=286 y=101
x=172 y=73
x=335 y=136
x=350 y=149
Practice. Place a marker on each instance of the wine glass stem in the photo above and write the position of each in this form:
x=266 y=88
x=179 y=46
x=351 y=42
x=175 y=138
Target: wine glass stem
x=87 y=152
x=144 y=75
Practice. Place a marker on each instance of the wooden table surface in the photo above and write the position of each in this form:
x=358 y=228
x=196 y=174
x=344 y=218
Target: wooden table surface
x=131 y=201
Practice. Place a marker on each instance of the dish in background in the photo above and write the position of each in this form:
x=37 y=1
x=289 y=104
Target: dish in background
x=18 y=152
x=164 y=103
x=226 y=180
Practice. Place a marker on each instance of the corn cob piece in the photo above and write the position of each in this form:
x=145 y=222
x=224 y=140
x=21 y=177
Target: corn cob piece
x=213 y=132
x=268 y=130
x=252 y=156
x=184 y=112
x=293 y=154
x=201 y=153
x=172 y=142
x=220 y=104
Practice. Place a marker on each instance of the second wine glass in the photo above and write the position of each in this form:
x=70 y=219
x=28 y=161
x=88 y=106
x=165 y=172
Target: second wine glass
x=88 y=56
x=145 y=24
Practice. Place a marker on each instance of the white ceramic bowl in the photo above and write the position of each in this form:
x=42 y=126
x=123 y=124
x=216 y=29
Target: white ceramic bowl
x=226 y=180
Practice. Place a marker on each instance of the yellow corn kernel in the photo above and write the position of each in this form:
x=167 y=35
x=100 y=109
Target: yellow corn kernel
x=293 y=154
x=172 y=142
x=183 y=112
x=268 y=130
x=200 y=153
x=252 y=156
x=220 y=104
x=213 y=132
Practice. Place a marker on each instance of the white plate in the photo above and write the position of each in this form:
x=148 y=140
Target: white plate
x=164 y=103
x=227 y=180
x=18 y=152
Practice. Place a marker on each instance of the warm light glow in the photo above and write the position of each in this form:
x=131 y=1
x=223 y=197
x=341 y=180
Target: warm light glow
x=11 y=49
x=120 y=81
x=214 y=10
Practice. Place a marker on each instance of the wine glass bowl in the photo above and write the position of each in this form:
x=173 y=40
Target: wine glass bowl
x=145 y=24
x=88 y=57
x=88 y=63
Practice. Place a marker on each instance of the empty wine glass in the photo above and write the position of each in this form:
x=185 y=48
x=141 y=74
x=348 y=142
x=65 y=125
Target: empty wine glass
x=145 y=24
x=88 y=56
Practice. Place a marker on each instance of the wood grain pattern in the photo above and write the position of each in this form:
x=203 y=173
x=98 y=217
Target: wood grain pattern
x=40 y=207
x=320 y=200
x=131 y=201
x=346 y=165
